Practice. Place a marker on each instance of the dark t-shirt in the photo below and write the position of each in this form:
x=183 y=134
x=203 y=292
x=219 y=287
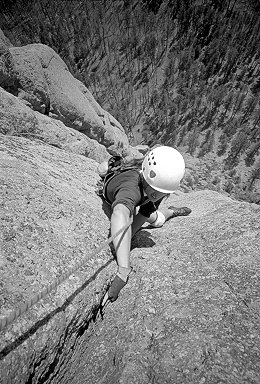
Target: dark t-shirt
x=126 y=188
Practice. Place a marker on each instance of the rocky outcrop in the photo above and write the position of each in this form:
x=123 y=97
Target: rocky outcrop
x=5 y=43
x=38 y=76
x=40 y=96
x=17 y=119
x=190 y=312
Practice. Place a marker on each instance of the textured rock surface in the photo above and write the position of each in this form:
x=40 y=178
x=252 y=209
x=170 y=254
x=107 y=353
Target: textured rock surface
x=18 y=119
x=190 y=313
x=36 y=74
x=51 y=219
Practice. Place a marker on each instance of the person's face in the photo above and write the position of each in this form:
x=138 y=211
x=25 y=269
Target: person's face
x=152 y=194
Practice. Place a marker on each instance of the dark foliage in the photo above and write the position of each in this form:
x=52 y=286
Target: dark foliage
x=153 y=5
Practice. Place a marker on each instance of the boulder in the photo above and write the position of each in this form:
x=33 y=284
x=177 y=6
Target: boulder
x=36 y=74
x=17 y=119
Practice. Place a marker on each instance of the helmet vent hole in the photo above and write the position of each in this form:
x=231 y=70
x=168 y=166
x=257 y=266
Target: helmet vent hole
x=154 y=163
x=150 y=163
x=152 y=174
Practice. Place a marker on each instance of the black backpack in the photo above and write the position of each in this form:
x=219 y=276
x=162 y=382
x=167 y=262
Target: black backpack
x=116 y=165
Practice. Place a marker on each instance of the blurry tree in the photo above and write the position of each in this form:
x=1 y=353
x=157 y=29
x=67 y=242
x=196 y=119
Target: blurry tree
x=239 y=143
x=252 y=151
x=255 y=174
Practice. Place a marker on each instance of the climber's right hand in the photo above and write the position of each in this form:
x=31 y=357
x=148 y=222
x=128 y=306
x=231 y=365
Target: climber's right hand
x=115 y=287
x=112 y=292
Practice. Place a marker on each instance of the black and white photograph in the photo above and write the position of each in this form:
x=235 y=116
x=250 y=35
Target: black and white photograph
x=129 y=191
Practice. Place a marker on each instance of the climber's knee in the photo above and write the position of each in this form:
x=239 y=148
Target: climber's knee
x=160 y=220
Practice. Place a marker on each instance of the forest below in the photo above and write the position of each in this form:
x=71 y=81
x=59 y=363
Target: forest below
x=178 y=72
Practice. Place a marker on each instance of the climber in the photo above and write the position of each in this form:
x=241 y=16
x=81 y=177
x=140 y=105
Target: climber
x=137 y=194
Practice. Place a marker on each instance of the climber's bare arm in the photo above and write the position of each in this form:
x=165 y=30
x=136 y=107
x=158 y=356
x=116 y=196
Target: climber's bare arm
x=122 y=243
x=120 y=217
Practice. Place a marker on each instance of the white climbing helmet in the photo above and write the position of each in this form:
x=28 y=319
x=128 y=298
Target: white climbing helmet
x=163 y=168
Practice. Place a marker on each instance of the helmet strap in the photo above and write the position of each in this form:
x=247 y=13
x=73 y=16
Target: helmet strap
x=144 y=182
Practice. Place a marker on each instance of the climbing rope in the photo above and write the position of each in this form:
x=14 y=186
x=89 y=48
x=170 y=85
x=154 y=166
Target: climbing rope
x=40 y=295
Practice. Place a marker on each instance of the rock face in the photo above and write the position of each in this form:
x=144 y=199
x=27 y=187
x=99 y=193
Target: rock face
x=39 y=77
x=189 y=314
x=51 y=219
x=17 y=119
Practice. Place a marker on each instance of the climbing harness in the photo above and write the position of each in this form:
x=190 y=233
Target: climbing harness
x=40 y=295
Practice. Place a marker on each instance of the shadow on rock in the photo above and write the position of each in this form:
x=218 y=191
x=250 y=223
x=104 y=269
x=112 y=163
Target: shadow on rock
x=106 y=208
x=92 y=315
x=142 y=239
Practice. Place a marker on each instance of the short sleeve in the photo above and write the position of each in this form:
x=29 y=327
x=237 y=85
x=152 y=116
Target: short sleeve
x=125 y=189
x=128 y=197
